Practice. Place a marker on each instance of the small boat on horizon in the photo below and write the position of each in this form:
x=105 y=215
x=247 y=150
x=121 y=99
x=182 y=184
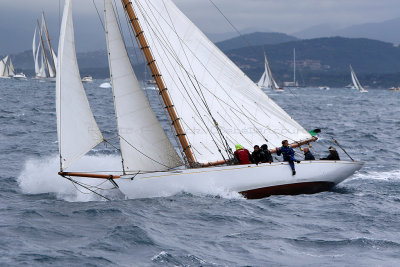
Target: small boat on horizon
x=87 y=79
x=20 y=76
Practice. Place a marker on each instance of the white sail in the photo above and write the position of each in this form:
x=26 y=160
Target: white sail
x=37 y=67
x=35 y=52
x=11 y=70
x=144 y=144
x=51 y=71
x=267 y=80
x=77 y=129
x=3 y=67
x=261 y=82
x=356 y=82
x=50 y=62
x=54 y=58
x=42 y=69
x=202 y=81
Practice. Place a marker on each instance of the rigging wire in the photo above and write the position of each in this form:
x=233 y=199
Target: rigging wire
x=98 y=14
x=172 y=53
x=175 y=136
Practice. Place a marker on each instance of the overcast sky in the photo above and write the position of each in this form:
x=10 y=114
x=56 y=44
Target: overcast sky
x=17 y=17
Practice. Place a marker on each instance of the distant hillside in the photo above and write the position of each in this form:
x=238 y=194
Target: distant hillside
x=255 y=39
x=386 y=31
x=326 y=54
x=322 y=61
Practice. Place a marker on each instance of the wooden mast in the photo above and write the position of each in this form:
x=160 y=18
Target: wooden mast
x=160 y=83
x=48 y=40
x=43 y=48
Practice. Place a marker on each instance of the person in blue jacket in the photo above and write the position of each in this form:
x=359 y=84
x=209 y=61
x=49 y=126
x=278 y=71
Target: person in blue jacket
x=288 y=154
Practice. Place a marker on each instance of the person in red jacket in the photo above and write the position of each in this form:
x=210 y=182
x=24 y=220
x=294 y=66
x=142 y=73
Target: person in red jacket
x=242 y=155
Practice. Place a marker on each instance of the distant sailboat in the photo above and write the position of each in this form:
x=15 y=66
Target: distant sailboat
x=43 y=54
x=218 y=107
x=356 y=82
x=6 y=68
x=267 y=81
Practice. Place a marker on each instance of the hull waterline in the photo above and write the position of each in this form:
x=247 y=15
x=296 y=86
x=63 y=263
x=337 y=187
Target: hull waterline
x=251 y=181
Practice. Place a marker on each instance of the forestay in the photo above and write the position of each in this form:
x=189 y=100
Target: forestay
x=205 y=85
x=144 y=144
x=77 y=129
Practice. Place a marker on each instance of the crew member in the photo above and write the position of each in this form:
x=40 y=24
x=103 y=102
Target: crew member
x=308 y=155
x=267 y=153
x=333 y=155
x=288 y=154
x=258 y=155
x=242 y=155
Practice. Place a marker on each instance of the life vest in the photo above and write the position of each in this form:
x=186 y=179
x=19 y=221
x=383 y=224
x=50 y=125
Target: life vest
x=243 y=156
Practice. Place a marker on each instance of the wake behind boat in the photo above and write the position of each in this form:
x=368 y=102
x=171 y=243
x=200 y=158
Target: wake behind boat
x=213 y=110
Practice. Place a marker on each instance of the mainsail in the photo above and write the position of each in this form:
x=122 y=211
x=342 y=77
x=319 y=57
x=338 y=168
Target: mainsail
x=77 y=129
x=218 y=105
x=144 y=144
x=355 y=81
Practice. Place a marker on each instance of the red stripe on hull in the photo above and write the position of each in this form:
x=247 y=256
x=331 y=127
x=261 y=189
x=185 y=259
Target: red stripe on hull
x=288 y=189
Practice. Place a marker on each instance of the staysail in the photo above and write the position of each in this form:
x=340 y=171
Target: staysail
x=144 y=144
x=75 y=136
x=218 y=105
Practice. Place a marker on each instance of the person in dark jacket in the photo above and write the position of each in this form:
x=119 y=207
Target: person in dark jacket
x=267 y=153
x=258 y=155
x=288 y=154
x=333 y=155
x=307 y=154
x=242 y=155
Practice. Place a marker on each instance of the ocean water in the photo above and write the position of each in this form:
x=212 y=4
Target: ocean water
x=45 y=220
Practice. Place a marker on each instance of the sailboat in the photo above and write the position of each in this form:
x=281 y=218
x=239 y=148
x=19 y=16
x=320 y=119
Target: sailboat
x=44 y=56
x=211 y=104
x=267 y=81
x=356 y=82
x=6 y=68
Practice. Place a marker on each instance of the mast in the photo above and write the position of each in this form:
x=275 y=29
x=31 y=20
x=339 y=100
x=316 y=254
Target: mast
x=160 y=83
x=43 y=47
x=48 y=41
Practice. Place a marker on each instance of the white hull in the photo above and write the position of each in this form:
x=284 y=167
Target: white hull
x=252 y=181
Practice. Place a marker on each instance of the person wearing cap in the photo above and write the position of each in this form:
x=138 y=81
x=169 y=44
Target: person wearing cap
x=242 y=155
x=288 y=154
x=333 y=155
x=307 y=154
x=267 y=153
